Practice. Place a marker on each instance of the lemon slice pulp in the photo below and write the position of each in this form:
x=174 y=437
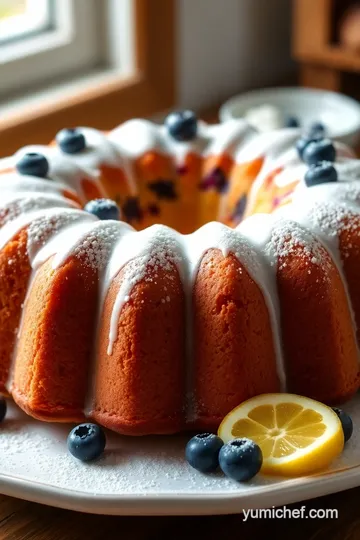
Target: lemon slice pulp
x=297 y=435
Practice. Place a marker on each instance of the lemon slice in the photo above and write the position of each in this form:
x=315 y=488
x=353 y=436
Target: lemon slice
x=297 y=435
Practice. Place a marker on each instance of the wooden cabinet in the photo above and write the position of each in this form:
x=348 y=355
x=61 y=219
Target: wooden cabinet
x=324 y=61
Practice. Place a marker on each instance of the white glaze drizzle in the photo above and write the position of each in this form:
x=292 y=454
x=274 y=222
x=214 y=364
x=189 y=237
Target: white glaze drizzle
x=65 y=169
x=14 y=204
x=122 y=146
x=135 y=138
x=326 y=210
x=162 y=245
x=16 y=182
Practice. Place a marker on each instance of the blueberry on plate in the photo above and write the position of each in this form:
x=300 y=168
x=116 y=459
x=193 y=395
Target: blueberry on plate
x=71 y=140
x=86 y=442
x=302 y=143
x=182 y=125
x=292 y=122
x=241 y=459
x=346 y=422
x=317 y=151
x=321 y=173
x=33 y=164
x=103 y=209
x=202 y=452
x=3 y=408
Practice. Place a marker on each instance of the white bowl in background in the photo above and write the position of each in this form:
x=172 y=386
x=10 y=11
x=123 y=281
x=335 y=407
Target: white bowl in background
x=339 y=113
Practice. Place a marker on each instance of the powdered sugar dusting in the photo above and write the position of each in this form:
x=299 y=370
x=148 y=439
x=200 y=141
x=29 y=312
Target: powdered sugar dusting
x=96 y=247
x=154 y=248
x=161 y=247
x=350 y=192
x=330 y=219
x=286 y=239
x=35 y=453
x=15 y=204
x=348 y=170
x=48 y=225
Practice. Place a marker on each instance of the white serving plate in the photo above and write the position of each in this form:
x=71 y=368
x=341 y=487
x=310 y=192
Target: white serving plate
x=146 y=476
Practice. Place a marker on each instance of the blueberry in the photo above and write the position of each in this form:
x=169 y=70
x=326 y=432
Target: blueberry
x=103 y=209
x=292 y=122
x=346 y=422
x=182 y=125
x=33 y=164
x=3 y=408
x=86 y=442
x=202 y=452
x=317 y=151
x=241 y=459
x=322 y=173
x=317 y=128
x=302 y=143
x=71 y=141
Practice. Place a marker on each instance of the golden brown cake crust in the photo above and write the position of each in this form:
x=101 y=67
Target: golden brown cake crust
x=234 y=356
x=56 y=341
x=140 y=387
x=15 y=272
x=349 y=245
x=318 y=339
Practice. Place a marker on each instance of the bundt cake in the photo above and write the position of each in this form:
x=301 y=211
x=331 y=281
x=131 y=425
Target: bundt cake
x=154 y=328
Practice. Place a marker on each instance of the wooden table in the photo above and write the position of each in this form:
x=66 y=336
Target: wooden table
x=20 y=520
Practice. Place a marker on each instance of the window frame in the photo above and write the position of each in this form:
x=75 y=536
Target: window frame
x=148 y=90
x=36 y=26
x=67 y=47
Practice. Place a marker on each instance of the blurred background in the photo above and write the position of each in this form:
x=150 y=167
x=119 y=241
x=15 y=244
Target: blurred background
x=99 y=62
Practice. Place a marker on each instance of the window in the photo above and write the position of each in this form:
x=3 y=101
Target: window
x=81 y=62
x=46 y=39
x=21 y=18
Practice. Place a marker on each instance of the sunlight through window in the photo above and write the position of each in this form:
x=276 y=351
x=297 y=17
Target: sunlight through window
x=22 y=18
